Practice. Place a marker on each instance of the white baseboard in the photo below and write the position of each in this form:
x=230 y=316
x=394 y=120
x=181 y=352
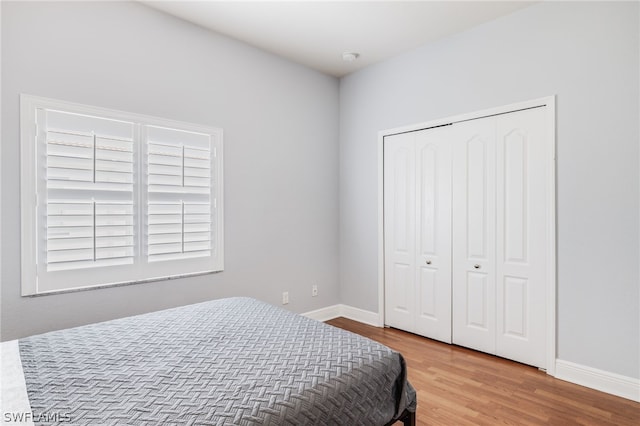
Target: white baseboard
x=360 y=315
x=324 y=314
x=615 y=384
x=335 y=311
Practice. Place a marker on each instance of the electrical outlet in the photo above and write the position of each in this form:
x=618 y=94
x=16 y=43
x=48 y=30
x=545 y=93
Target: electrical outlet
x=285 y=297
x=314 y=290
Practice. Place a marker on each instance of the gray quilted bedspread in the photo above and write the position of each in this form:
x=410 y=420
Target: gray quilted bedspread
x=232 y=361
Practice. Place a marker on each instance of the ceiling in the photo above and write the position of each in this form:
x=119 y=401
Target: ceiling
x=316 y=33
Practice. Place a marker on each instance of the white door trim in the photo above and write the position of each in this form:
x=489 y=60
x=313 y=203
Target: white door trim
x=549 y=102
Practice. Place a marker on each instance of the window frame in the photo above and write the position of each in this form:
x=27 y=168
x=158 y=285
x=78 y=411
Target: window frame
x=32 y=191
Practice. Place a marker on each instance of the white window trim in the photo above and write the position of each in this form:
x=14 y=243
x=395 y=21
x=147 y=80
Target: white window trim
x=29 y=196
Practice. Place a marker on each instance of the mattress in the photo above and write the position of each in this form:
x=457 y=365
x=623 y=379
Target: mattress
x=234 y=361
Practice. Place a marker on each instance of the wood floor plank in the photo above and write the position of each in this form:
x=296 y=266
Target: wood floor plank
x=459 y=386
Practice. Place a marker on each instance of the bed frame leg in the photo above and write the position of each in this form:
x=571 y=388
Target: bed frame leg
x=409 y=418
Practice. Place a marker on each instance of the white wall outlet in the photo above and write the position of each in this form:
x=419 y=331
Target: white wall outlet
x=314 y=290
x=285 y=297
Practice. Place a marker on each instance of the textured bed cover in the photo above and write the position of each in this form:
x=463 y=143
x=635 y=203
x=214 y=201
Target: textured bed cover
x=230 y=361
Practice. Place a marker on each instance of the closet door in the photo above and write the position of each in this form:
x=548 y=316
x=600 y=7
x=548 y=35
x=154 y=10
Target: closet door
x=522 y=180
x=500 y=181
x=417 y=232
x=474 y=228
x=400 y=230
x=433 y=232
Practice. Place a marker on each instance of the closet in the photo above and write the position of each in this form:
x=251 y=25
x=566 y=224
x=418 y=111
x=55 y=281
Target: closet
x=466 y=232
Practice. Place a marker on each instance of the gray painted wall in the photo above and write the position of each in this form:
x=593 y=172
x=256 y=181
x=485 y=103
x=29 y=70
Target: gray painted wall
x=587 y=54
x=281 y=146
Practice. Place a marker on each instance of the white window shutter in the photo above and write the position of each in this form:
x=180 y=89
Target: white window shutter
x=120 y=197
x=180 y=210
x=89 y=175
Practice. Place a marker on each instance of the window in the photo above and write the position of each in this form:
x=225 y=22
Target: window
x=119 y=197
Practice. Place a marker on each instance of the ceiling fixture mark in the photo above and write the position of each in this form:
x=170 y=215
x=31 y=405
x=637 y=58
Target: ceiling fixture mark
x=350 y=56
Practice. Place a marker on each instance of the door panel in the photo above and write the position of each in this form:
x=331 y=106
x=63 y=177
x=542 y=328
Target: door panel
x=427 y=195
x=433 y=230
x=514 y=196
x=402 y=298
x=474 y=300
x=475 y=196
x=428 y=293
x=477 y=301
x=521 y=205
x=399 y=230
x=514 y=307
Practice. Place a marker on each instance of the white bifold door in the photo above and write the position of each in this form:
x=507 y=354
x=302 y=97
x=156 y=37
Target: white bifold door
x=465 y=221
x=417 y=188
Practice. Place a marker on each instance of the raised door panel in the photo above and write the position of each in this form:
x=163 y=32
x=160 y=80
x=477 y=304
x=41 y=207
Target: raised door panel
x=433 y=231
x=474 y=216
x=521 y=182
x=399 y=230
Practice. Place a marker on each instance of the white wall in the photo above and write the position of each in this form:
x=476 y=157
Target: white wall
x=587 y=54
x=281 y=145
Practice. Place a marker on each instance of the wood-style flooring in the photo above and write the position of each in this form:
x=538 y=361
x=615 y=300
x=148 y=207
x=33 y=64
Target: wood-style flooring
x=458 y=386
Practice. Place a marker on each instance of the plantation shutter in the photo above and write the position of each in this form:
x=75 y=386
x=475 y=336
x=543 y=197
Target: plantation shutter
x=110 y=197
x=181 y=204
x=89 y=175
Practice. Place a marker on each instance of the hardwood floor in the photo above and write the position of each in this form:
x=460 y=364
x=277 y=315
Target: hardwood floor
x=458 y=386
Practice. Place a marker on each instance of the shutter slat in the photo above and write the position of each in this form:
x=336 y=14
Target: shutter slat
x=179 y=256
x=197 y=172
x=114 y=231
x=105 y=242
x=197 y=246
x=69 y=255
x=165 y=248
x=197 y=227
x=175 y=189
x=99 y=263
x=197 y=236
x=70 y=243
x=164 y=219
x=165 y=229
x=64 y=233
x=114 y=252
x=164 y=238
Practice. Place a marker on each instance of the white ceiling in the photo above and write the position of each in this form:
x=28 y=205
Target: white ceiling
x=316 y=33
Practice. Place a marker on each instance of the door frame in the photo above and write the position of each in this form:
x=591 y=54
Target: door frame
x=551 y=307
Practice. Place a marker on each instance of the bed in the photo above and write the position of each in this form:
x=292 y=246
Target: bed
x=235 y=361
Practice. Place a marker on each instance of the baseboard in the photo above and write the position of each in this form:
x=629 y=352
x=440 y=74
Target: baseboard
x=335 y=311
x=360 y=315
x=612 y=383
x=324 y=314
